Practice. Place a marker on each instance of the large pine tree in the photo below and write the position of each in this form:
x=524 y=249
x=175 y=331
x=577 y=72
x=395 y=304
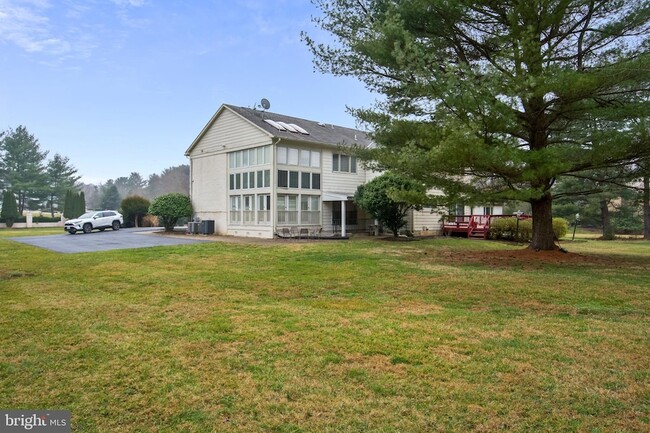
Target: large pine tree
x=496 y=100
x=61 y=176
x=22 y=165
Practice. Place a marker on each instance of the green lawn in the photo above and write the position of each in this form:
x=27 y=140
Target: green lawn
x=361 y=336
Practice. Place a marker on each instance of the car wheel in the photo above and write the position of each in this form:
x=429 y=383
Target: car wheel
x=88 y=228
x=102 y=229
x=72 y=231
x=116 y=225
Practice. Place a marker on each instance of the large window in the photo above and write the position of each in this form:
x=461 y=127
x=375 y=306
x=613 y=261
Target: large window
x=287 y=209
x=235 y=209
x=301 y=157
x=344 y=163
x=310 y=209
x=246 y=180
x=249 y=209
x=249 y=157
x=263 y=208
x=296 y=179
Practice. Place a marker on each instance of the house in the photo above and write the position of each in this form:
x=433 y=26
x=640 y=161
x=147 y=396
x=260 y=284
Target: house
x=257 y=173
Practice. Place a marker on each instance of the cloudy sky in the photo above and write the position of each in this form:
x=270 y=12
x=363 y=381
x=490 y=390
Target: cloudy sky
x=126 y=85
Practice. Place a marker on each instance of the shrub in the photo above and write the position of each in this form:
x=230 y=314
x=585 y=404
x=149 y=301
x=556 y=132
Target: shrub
x=45 y=219
x=170 y=207
x=9 y=212
x=506 y=228
x=560 y=227
x=134 y=209
x=150 y=221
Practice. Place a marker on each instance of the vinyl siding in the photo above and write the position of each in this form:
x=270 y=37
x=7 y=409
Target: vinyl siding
x=340 y=182
x=209 y=189
x=231 y=131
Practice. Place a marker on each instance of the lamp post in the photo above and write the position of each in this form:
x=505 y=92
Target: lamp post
x=518 y=214
x=575 y=225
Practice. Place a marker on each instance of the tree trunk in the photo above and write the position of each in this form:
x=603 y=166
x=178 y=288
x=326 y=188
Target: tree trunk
x=646 y=206
x=543 y=236
x=608 y=230
x=52 y=204
x=21 y=203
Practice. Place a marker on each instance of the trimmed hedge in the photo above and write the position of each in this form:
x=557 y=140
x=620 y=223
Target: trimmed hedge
x=506 y=228
x=36 y=219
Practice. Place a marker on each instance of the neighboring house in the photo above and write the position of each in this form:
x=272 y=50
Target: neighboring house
x=256 y=173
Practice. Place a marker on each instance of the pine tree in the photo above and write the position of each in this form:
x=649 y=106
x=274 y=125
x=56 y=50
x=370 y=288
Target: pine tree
x=61 y=176
x=496 y=100
x=21 y=165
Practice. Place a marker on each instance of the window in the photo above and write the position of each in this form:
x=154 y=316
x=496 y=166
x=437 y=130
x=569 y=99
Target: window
x=238 y=181
x=260 y=179
x=305 y=180
x=304 y=157
x=315 y=181
x=232 y=181
x=287 y=209
x=249 y=157
x=244 y=180
x=263 y=208
x=310 y=209
x=301 y=157
x=292 y=156
x=235 y=209
x=282 y=155
x=267 y=178
x=293 y=179
x=283 y=179
x=249 y=209
x=251 y=179
x=315 y=159
x=344 y=163
x=487 y=210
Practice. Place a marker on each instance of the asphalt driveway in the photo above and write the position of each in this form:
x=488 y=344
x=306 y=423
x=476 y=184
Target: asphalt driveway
x=104 y=241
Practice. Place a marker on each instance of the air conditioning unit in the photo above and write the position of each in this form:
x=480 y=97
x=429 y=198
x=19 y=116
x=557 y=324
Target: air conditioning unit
x=207 y=227
x=193 y=227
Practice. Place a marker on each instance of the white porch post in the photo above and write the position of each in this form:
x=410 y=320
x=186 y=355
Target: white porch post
x=343 y=233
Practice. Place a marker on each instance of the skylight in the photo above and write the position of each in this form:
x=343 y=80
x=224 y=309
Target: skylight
x=287 y=126
x=282 y=126
x=299 y=128
x=276 y=125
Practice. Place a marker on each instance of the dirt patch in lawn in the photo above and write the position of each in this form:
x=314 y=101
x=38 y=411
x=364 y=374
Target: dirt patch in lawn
x=531 y=259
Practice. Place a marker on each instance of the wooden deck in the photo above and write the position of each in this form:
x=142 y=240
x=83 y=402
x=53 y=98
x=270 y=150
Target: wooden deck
x=472 y=226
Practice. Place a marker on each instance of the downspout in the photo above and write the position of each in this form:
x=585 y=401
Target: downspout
x=274 y=171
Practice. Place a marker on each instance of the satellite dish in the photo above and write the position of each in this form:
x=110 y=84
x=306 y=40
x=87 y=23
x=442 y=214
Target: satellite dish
x=266 y=104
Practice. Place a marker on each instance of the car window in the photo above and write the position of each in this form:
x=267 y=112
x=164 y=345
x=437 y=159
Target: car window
x=107 y=214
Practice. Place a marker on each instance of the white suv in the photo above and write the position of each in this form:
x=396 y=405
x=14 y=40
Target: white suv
x=97 y=220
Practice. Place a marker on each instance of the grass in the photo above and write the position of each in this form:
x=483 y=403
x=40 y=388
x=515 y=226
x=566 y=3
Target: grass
x=433 y=336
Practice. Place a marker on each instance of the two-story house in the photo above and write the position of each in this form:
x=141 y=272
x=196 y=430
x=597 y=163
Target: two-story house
x=256 y=173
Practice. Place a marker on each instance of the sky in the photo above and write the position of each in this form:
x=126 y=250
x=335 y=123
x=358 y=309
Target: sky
x=121 y=86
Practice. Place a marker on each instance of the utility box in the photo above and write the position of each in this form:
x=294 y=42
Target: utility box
x=207 y=227
x=193 y=227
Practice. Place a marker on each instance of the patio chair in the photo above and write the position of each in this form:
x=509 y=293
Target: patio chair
x=304 y=232
x=316 y=233
x=284 y=233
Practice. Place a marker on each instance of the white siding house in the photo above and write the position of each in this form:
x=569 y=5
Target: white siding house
x=257 y=173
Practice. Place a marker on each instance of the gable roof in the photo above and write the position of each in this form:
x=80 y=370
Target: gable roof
x=319 y=133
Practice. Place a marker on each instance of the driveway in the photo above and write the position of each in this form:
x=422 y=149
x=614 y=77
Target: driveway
x=104 y=241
